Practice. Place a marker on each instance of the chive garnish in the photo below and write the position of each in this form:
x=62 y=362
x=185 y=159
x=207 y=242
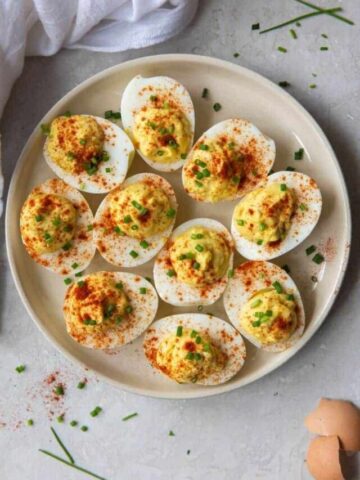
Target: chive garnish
x=197 y=236
x=171 y=434
x=59 y=390
x=81 y=283
x=236 y=55
x=129 y=309
x=235 y=179
x=74 y=265
x=205 y=93
x=45 y=129
x=284 y=84
x=67 y=281
x=277 y=287
x=67 y=246
x=142 y=290
x=193 y=333
x=39 y=218
x=217 y=106
x=79 y=274
x=170 y=273
x=310 y=250
x=128 y=417
x=303 y=207
x=144 y=244
x=255 y=26
x=110 y=114
x=324 y=35
x=299 y=154
x=30 y=422
x=199 y=248
x=312 y=85
x=256 y=303
x=322 y=10
x=318 y=258
x=283 y=187
x=230 y=273
x=262 y=226
x=118 y=230
x=293 y=33
x=179 y=331
x=290 y=297
x=203 y=146
x=286 y=268
x=60 y=418
x=290 y=169
x=84 y=428
x=282 y=49
x=240 y=222
x=198 y=184
x=133 y=254
x=62 y=446
x=20 y=368
x=171 y=213
x=196 y=265
x=107 y=170
x=134 y=227
x=96 y=411
x=90 y=227
x=81 y=385
x=127 y=219
x=259 y=242
x=77 y=467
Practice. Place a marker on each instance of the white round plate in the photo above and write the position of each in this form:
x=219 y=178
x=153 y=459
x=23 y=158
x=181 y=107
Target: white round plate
x=242 y=93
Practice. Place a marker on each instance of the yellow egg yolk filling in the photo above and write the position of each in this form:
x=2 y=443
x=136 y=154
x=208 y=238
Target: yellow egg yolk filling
x=141 y=210
x=270 y=315
x=264 y=215
x=215 y=170
x=188 y=356
x=98 y=302
x=76 y=144
x=48 y=223
x=200 y=256
x=162 y=133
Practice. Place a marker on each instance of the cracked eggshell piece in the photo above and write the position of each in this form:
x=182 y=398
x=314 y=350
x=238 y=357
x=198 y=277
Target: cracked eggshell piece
x=323 y=459
x=111 y=173
x=336 y=417
x=143 y=313
x=302 y=224
x=83 y=248
x=222 y=334
x=177 y=293
x=137 y=95
x=248 y=279
x=115 y=248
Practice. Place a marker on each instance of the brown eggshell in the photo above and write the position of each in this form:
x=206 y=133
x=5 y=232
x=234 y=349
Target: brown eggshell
x=336 y=417
x=323 y=458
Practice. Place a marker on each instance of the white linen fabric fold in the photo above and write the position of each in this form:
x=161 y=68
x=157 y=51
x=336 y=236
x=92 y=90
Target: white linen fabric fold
x=43 y=27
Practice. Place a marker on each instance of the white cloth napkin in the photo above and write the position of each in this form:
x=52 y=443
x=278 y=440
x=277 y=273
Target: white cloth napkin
x=43 y=27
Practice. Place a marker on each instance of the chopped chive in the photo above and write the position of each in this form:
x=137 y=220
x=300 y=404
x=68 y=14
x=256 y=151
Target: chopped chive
x=20 y=368
x=134 y=227
x=230 y=273
x=240 y=222
x=119 y=285
x=286 y=268
x=235 y=179
x=290 y=169
x=303 y=207
x=277 y=287
x=127 y=219
x=197 y=236
x=198 y=355
x=193 y=333
x=39 y=218
x=179 y=331
x=171 y=434
x=81 y=283
x=293 y=33
x=206 y=172
x=67 y=246
x=323 y=49
x=318 y=258
x=183 y=156
x=118 y=230
x=142 y=290
x=74 y=265
x=90 y=227
x=81 y=385
x=282 y=49
x=262 y=226
x=129 y=309
x=259 y=242
x=144 y=244
x=170 y=273
x=107 y=170
x=199 y=248
x=45 y=129
x=312 y=85
x=77 y=467
x=256 y=323
x=133 y=254
x=84 y=428
x=67 y=281
x=198 y=184
x=60 y=418
x=324 y=35
x=283 y=187
x=67 y=113
x=188 y=452
x=73 y=423
x=199 y=175
x=171 y=213
x=299 y=154
x=203 y=146
x=160 y=153
x=217 y=106
x=256 y=303
x=96 y=411
x=255 y=26
x=196 y=265
x=284 y=84
x=200 y=163
x=236 y=55
x=310 y=250
x=59 y=390
x=82 y=141
x=128 y=417
x=205 y=93
x=153 y=98
x=65 y=450
x=30 y=422
x=290 y=297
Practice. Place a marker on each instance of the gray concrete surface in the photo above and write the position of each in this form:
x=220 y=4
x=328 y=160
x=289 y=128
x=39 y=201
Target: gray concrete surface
x=253 y=433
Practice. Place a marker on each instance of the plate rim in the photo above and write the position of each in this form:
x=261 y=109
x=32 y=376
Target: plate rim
x=258 y=78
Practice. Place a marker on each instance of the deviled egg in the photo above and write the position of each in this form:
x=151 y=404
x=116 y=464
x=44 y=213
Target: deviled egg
x=109 y=309
x=228 y=160
x=158 y=114
x=195 y=348
x=135 y=220
x=89 y=153
x=56 y=227
x=276 y=217
x=264 y=304
x=194 y=266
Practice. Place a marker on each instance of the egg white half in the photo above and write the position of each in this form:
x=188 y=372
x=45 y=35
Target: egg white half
x=115 y=248
x=144 y=311
x=111 y=173
x=302 y=224
x=248 y=279
x=221 y=333
x=83 y=248
x=137 y=95
x=248 y=136
x=179 y=294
